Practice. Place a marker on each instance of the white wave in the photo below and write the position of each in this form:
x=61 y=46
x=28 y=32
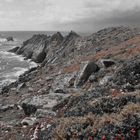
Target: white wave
x=17 y=71
x=5 y=52
x=32 y=64
x=6 y=82
x=9 y=55
x=3 y=40
x=18 y=57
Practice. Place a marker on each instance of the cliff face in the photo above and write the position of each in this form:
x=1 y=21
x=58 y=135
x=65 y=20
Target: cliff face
x=85 y=88
x=34 y=48
x=43 y=47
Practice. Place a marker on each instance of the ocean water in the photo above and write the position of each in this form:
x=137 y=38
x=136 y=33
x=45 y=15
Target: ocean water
x=12 y=65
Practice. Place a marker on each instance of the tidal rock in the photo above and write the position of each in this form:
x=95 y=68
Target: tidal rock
x=10 y=38
x=14 y=49
x=88 y=69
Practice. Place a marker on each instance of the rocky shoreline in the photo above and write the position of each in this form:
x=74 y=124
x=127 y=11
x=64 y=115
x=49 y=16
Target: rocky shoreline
x=85 y=88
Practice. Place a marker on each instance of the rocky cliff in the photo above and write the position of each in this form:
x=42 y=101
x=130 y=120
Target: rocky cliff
x=85 y=88
x=43 y=47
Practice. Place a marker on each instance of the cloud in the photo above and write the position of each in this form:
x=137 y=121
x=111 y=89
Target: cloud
x=79 y=15
x=104 y=13
x=9 y=0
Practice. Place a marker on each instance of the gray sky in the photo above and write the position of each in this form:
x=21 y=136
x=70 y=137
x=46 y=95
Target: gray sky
x=79 y=15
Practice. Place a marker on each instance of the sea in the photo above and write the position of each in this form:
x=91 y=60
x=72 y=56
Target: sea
x=12 y=65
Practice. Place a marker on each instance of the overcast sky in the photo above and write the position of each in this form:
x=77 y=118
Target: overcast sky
x=79 y=15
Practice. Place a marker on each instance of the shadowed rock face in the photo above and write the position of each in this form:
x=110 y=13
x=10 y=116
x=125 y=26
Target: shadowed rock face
x=40 y=57
x=107 y=62
x=14 y=49
x=57 y=39
x=70 y=37
x=34 y=48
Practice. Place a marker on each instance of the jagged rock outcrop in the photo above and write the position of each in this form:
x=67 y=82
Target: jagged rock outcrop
x=39 y=46
x=47 y=48
x=34 y=48
x=63 y=49
x=56 y=39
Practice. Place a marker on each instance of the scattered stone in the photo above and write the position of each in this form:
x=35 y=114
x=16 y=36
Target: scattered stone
x=29 y=121
x=6 y=107
x=92 y=79
x=105 y=80
x=59 y=91
x=107 y=62
x=42 y=113
x=128 y=87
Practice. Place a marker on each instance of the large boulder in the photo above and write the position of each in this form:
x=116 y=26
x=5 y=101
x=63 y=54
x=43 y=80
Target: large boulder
x=46 y=102
x=89 y=68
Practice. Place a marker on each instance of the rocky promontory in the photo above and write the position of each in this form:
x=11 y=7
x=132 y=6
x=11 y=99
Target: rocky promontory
x=85 y=88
